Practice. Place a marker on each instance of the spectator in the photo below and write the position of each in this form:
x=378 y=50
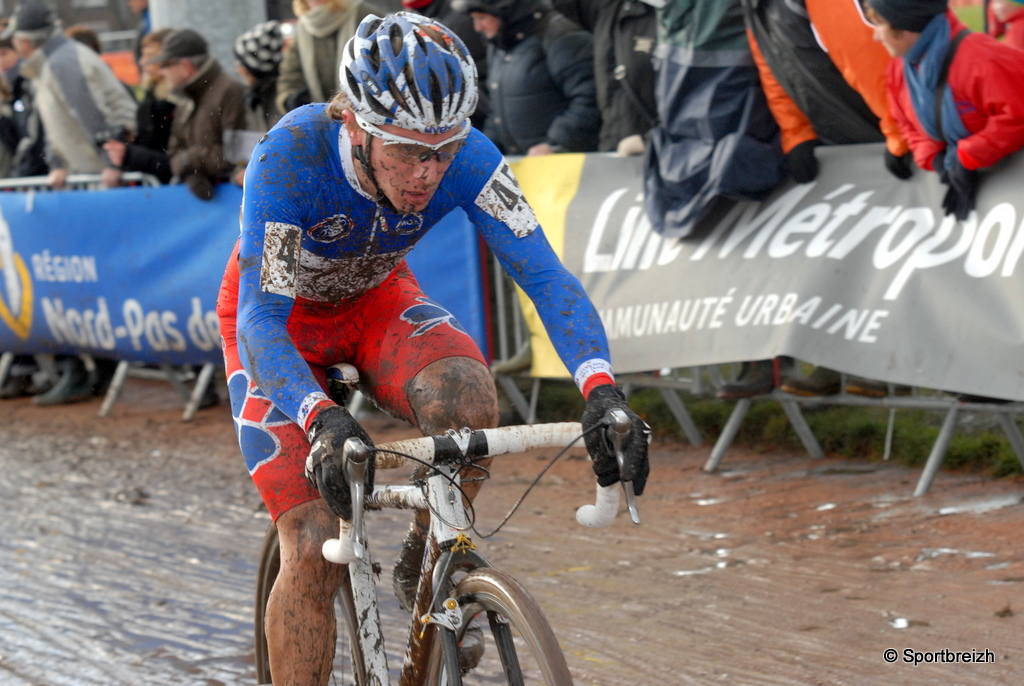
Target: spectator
x=258 y=54
x=624 y=40
x=147 y=152
x=213 y=110
x=462 y=25
x=716 y=140
x=541 y=78
x=29 y=153
x=809 y=76
x=79 y=98
x=309 y=71
x=1005 y=19
x=959 y=120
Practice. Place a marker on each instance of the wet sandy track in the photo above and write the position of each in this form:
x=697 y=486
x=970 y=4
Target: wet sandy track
x=128 y=557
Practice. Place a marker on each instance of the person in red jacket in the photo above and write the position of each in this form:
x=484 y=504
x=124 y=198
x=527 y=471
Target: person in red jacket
x=981 y=117
x=1005 y=19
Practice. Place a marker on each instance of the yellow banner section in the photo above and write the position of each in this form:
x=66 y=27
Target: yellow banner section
x=549 y=183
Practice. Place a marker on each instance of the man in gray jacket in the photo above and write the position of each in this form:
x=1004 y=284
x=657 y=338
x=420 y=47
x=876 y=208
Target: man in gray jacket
x=79 y=98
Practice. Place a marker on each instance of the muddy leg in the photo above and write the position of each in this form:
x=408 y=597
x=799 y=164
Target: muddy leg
x=300 y=621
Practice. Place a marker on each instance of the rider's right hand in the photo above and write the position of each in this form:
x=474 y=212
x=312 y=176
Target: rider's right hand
x=328 y=431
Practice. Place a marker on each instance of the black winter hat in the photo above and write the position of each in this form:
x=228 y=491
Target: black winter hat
x=908 y=15
x=260 y=49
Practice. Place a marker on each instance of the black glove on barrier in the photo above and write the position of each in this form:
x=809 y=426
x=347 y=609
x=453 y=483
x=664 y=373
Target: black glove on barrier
x=899 y=166
x=801 y=163
x=963 y=190
x=327 y=435
x=602 y=399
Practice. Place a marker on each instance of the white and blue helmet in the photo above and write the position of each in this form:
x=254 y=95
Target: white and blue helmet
x=409 y=71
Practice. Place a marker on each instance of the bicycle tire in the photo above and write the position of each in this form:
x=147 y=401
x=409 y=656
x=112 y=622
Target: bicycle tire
x=504 y=600
x=266 y=574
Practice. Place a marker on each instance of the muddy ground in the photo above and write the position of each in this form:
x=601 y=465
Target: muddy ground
x=129 y=548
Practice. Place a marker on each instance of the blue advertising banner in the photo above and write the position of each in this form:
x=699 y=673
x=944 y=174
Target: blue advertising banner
x=133 y=273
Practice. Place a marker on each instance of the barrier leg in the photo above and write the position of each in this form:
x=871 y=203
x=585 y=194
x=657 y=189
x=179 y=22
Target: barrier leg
x=931 y=468
x=534 y=398
x=6 y=362
x=728 y=434
x=114 y=389
x=1012 y=434
x=515 y=396
x=679 y=411
x=198 y=391
x=802 y=428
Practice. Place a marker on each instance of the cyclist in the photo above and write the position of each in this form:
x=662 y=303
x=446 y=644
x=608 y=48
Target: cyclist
x=335 y=196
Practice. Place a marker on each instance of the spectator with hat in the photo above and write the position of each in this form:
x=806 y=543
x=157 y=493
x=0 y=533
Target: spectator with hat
x=79 y=98
x=955 y=94
x=258 y=54
x=212 y=110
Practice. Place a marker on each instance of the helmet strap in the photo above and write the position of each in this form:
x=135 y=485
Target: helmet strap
x=362 y=153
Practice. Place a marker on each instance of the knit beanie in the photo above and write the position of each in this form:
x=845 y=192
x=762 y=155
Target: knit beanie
x=260 y=49
x=909 y=15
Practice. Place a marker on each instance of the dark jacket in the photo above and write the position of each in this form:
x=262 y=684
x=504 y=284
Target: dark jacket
x=716 y=141
x=215 y=105
x=624 y=40
x=541 y=82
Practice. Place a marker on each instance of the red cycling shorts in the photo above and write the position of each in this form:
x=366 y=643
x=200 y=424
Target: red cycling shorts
x=389 y=334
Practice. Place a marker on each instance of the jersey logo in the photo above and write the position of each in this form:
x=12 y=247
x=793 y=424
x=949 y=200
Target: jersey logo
x=502 y=198
x=429 y=315
x=331 y=229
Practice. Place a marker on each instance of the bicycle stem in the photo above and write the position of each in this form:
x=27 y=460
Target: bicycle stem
x=356 y=454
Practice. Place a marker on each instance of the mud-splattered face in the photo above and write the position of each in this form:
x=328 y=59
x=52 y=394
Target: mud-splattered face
x=406 y=173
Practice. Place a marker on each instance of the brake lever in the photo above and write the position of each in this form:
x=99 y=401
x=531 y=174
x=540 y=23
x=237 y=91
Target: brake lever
x=356 y=453
x=619 y=426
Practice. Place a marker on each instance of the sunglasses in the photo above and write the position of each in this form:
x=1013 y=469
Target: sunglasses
x=411 y=151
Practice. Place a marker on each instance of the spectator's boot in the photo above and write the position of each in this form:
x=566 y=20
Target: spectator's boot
x=76 y=384
x=821 y=381
x=870 y=388
x=755 y=378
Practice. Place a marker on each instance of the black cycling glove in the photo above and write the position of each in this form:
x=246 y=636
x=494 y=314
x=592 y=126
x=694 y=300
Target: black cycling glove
x=325 y=467
x=900 y=166
x=636 y=466
x=801 y=163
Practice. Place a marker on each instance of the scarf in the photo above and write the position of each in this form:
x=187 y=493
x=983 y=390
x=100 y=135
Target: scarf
x=319 y=22
x=921 y=67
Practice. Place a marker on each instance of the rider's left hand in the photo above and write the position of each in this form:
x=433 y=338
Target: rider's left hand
x=634 y=448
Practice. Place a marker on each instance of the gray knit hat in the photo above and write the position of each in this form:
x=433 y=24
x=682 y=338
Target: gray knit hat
x=260 y=49
x=908 y=15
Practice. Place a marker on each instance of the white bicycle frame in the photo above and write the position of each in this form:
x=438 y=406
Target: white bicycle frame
x=448 y=516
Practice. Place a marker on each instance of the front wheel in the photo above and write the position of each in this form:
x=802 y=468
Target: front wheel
x=516 y=632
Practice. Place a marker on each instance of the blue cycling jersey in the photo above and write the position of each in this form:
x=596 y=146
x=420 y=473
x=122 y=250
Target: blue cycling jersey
x=310 y=234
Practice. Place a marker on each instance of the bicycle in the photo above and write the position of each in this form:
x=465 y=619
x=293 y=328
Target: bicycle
x=456 y=582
